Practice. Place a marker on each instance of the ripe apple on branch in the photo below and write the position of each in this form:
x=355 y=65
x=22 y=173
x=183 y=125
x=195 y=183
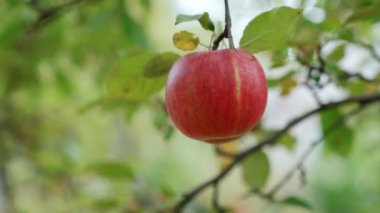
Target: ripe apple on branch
x=215 y=96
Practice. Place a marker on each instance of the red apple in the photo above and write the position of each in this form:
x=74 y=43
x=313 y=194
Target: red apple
x=216 y=96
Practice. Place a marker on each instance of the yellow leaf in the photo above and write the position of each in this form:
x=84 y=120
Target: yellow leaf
x=185 y=40
x=287 y=85
x=230 y=148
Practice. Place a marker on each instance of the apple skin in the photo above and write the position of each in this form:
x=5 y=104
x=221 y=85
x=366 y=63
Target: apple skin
x=216 y=96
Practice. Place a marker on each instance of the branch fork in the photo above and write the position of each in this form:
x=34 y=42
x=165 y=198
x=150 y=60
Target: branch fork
x=227 y=30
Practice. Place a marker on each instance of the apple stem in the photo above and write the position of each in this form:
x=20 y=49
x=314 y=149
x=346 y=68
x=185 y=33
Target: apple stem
x=227 y=30
x=228 y=25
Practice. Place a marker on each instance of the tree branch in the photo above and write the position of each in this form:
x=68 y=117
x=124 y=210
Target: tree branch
x=306 y=154
x=314 y=93
x=372 y=50
x=227 y=30
x=47 y=15
x=219 y=39
x=271 y=139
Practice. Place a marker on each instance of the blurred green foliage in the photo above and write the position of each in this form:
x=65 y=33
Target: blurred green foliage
x=50 y=153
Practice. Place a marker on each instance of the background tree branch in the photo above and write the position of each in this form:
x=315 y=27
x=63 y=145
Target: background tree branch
x=299 y=164
x=49 y=14
x=271 y=139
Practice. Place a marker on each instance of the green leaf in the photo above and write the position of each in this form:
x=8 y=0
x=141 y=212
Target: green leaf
x=162 y=123
x=256 y=170
x=346 y=34
x=305 y=33
x=112 y=170
x=134 y=32
x=331 y=23
x=168 y=133
x=203 y=19
x=146 y=4
x=337 y=54
x=167 y=190
x=10 y=31
x=277 y=82
x=270 y=29
x=273 y=82
x=333 y=68
x=288 y=141
x=128 y=83
x=129 y=107
x=11 y=3
x=359 y=87
x=287 y=85
x=295 y=201
x=366 y=13
x=261 y=133
x=160 y=65
x=160 y=120
x=185 y=40
x=63 y=83
x=106 y=203
x=279 y=57
x=339 y=140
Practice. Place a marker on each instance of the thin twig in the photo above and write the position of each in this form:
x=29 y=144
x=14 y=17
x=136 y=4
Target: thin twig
x=215 y=199
x=371 y=49
x=322 y=63
x=47 y=15
x=271 y=139
x=315 y=72
x=314 y=93
x=258 y=193
x=219 y=39
x=303 y=176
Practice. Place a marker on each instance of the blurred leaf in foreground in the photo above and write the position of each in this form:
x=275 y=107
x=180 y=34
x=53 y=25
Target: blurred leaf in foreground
x=128 y=83
x=295 y=201
x=112 y=170
x=256 y=170
x=160 y=65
